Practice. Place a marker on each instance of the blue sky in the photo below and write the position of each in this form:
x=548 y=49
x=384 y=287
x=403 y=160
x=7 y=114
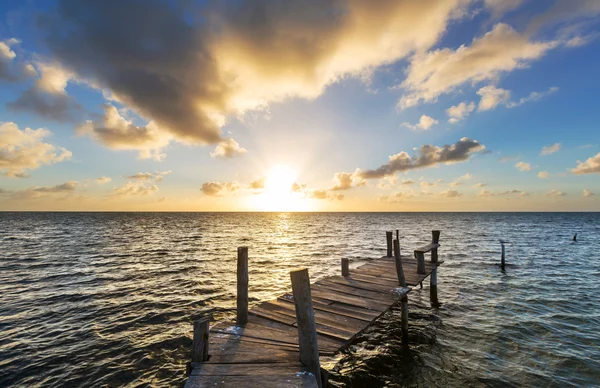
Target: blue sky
x=293 y=99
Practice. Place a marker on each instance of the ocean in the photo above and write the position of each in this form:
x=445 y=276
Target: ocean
x=108 y=299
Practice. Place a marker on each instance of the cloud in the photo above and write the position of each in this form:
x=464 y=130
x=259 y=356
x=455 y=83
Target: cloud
x=478 y=185
x=491 y=96
x=228 y=148
x=499 y=7
x=134 y=188
x=425 y=184
x=187 y=67
x=508 y=158
x=22 y=150
x=258 y=183
x=406 y=182
x=116 y=132
x=543 y=174
x=460 y=180
x=141 y=176
x=486 y=193
x=219 y=188
x=345 y=180
x=47 y=97
x=460 y=111
x=590 y=166
x=65 y=187
x=450 y=193
x=65 y=190
x=425 y=122
x=563 y=11
x=318 y=194
x=549 y=150
x=555 y=193
x=441 y=71
x=7 y=56
x=426 y=156
x=522 y=166
x=587 y=193
x=395 y=198
x=298 y=188
x=533 y=96
x=102 y=180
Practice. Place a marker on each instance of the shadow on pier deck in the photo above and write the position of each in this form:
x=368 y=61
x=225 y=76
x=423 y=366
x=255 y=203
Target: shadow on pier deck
x=277 y=343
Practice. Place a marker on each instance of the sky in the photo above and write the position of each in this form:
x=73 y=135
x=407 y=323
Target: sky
x=315 y=105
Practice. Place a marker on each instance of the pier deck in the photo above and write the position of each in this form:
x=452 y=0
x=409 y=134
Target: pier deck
x=265 y=352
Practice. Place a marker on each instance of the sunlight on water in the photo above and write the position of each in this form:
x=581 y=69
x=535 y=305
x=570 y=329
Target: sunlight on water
x=108 y=299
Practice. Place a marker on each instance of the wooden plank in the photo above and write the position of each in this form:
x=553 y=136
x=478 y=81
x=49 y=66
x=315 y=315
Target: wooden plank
x=348 y=311
x=367 y=294
x=236 y=351
x=339 y=297
x=290 y=380
x=427 y=248
x=272 y=315
x=352 y=282
x=205 y=369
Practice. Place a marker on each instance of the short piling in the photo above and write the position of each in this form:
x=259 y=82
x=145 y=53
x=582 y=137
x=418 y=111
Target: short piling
x=398 y=261
x=305 y=318
x=242 y=286
x=502 y=255
x=420 y=262
x=345 y=267
x=200 y=341
x=388 y=237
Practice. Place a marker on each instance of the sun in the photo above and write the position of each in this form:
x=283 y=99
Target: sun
x=279 y=193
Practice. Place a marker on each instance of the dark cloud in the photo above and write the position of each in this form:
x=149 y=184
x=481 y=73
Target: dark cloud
x=58 y=107
x=426 y=156
x=186 y=66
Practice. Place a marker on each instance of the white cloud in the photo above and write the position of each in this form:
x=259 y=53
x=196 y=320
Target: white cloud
x=555 y=193
x=116 y=132
x=543 y=174
x=5 y=51
x=590 y=166
x=219 y=188
x=491 y=96
x=345 y=181
x=425 y=122
x=406 y=182
x=507 y=193
x=460 y=111
x=258 y=183
x=135 y=188
x=587 y=193
x=522 y=166
x=22 y=150
x=533 y=96
x=460 y=180
x=549 y=150
x=440 y=71
x=479 y=185
x=498 y=7
x=102 y=180
x=450 y=193
x=228 y=148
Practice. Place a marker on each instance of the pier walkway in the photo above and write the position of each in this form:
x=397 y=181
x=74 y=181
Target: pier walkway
x=265 y=347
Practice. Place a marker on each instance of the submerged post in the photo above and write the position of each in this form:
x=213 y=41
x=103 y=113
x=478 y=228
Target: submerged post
x=388 y=237
x=398 y=261
x=345 y=267
x=502 y=255
x=420 y=261
x=242 y=286
x=305 y=318
x=433 y=294
x=200 y=341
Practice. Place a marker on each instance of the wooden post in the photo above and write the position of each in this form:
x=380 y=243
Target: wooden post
x=435 y=239
x=398 y=261
x=242 y=286
x=200 y=342
x=420 y=261
x=388 y=237
x=305 y=318
x=404 y=318
x=345 y=267
x=502 y=256
x=397 y=235
x=433 y=294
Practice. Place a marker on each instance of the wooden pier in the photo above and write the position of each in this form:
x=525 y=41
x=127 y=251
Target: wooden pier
x=278 y=343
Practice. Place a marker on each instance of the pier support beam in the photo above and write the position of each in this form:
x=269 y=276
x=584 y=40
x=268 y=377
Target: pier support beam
x=388 y=237
x=404 y=319
x=345 y=267
x=502 y=256
x=305 y=318
x=397 y=260
x=420 y=262
x=200 y=341
x=433 y=292
x=242 y=286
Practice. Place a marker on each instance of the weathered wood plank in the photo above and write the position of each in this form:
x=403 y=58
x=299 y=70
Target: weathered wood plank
x=287 y=380
x=206 y=369
x=427 y=248
x=367 y=294
x=348 y=311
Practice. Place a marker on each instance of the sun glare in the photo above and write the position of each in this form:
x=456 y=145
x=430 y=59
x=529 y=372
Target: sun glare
x=278 y=194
